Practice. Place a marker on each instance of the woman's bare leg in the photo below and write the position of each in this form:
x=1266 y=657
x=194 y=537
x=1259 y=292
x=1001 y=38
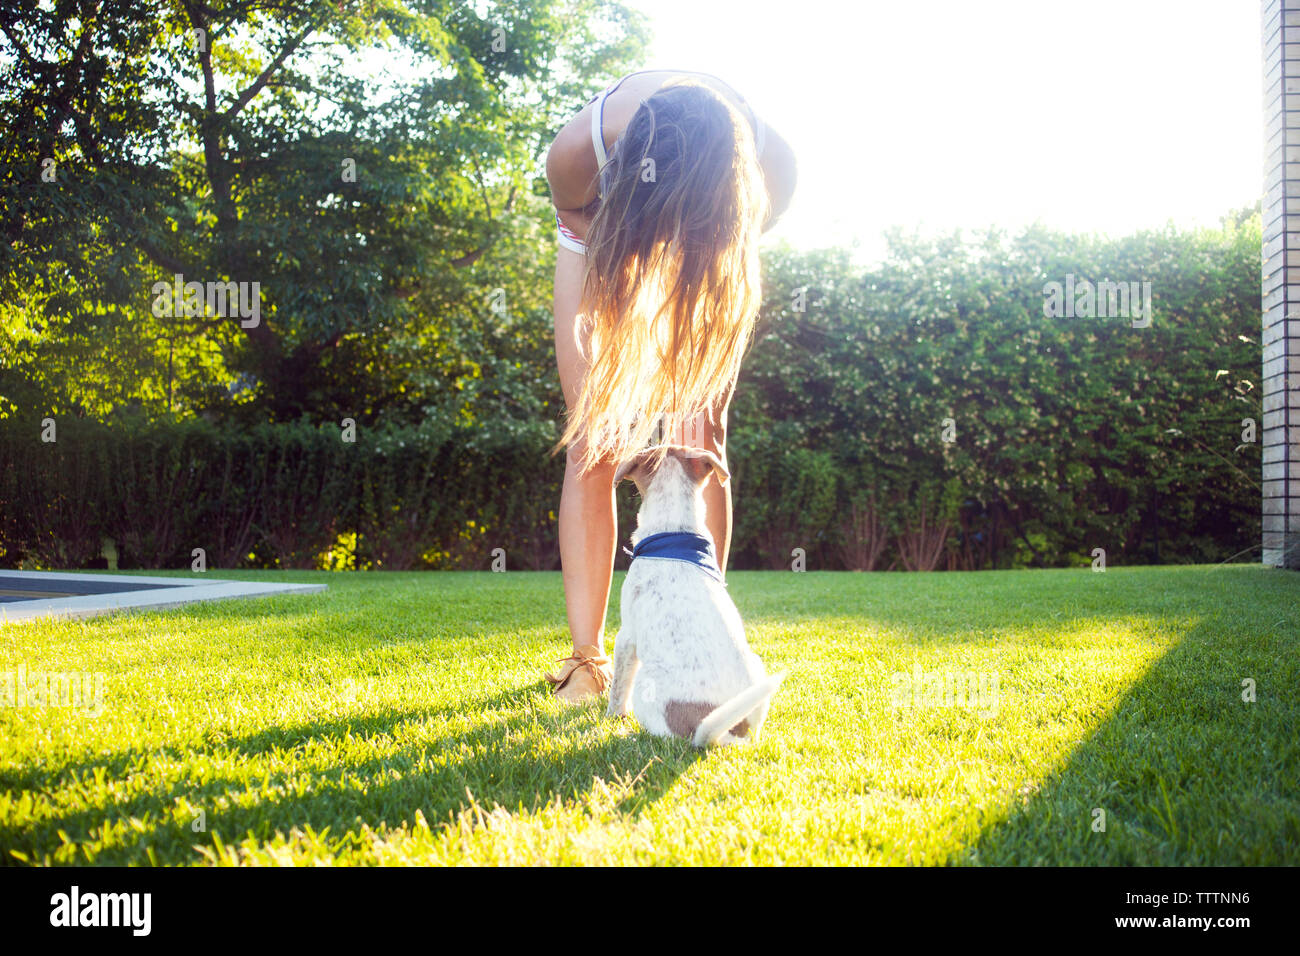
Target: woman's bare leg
x=588 y=522
x=712 y=435
x=717 y=515
x=588 y=529
x=588 y=536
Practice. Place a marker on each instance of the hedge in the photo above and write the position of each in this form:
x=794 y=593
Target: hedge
x=923 y=413
x=277 y=496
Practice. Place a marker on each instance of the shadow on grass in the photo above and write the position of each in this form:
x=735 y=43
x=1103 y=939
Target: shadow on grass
x=1185 y=771
x=1182 y=772
x=520 y=759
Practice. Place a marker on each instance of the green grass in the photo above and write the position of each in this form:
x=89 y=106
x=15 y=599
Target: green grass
x=401 y=718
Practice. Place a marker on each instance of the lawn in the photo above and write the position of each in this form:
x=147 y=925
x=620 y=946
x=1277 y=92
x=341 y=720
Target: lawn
x=401 y=718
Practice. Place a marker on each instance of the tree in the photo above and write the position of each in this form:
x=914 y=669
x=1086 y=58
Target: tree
x=345 y=164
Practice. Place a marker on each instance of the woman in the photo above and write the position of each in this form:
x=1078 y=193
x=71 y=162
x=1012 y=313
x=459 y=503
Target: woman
x=662 y=185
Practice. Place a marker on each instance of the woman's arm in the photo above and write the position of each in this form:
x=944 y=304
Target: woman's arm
x=780 y=173
x=571 y=172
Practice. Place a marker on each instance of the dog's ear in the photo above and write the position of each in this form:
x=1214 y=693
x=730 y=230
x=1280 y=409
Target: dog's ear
x=626 y=468
x=622 y=470
x=707 y=461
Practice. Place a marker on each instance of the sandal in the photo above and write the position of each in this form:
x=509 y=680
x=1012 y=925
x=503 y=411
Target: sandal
x=595 y=669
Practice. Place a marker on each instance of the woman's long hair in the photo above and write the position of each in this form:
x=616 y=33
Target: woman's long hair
x=672 y=285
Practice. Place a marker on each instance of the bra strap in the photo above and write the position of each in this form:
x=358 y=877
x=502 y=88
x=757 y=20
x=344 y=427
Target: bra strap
x=597 y=130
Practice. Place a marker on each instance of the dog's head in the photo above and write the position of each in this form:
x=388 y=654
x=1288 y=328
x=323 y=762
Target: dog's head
x=697 y=463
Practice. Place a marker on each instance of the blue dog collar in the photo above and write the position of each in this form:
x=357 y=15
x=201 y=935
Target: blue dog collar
x=684 y=546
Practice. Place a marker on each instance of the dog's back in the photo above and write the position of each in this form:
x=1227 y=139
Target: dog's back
x=690 y=644
x=685 y=663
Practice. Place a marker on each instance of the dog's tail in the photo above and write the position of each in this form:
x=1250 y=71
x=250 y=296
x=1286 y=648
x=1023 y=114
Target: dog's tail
x=725 y=716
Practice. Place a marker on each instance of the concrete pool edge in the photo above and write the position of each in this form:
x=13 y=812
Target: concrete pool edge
x=168 y=593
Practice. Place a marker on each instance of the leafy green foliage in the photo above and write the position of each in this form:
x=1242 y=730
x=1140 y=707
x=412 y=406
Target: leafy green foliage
x=374 y=166
x=920 y=414
x=937 y=369
x=368 y=164
x=443 y=494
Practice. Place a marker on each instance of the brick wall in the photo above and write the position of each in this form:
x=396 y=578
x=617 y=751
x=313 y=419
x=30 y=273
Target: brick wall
x=1280 y=429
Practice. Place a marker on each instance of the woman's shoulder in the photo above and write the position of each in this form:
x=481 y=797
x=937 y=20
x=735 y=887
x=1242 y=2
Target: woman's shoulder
x=651 y=79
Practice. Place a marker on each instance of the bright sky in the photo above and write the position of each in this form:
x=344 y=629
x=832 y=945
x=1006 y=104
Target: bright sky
x=1105 y=116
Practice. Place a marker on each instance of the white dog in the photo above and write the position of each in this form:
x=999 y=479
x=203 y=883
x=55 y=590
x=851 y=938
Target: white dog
x=680 y=659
